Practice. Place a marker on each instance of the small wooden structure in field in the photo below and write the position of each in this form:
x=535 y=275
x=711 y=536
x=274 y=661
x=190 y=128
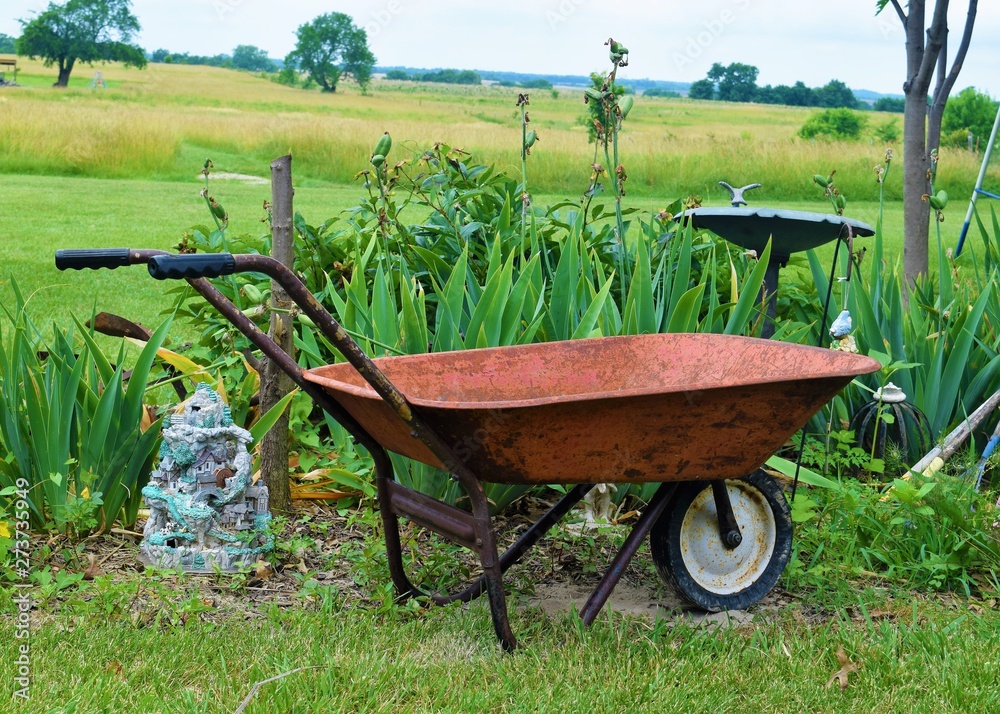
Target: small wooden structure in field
x=8 y=63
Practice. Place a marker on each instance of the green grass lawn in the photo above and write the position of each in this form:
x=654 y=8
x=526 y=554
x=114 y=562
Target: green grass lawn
x=43 y=214
x=931 y=658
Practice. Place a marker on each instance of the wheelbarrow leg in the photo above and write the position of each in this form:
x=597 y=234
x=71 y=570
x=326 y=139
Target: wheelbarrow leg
x=485 y=546
x=628 y=550
x=489 y=559
x=527 y=541
x=390 y=524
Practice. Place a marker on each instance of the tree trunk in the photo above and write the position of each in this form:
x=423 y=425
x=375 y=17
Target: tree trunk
x=916 y=214
x=921 y=60
x=65 y=68
x=276 y=384
x=922 y=127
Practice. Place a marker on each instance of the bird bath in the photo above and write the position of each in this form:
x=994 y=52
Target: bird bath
x=788 y=231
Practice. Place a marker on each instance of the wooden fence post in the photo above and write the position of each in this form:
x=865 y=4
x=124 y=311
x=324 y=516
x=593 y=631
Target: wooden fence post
x=275 y=383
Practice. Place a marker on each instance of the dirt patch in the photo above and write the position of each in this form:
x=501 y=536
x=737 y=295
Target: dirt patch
x=245 y=178
x=644 y=601
x=322 y=553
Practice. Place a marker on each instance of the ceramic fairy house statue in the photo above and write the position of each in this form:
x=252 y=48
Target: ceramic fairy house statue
x=204 y=512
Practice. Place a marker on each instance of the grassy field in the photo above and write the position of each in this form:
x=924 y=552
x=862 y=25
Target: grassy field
x=119 y=166
x=158 y=123
x=928 y=658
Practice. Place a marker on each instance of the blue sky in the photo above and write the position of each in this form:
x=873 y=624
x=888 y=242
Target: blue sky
x=788 y=40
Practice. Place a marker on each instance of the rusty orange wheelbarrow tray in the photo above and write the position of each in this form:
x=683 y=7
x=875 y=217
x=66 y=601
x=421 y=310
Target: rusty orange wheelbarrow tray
x=698 y=413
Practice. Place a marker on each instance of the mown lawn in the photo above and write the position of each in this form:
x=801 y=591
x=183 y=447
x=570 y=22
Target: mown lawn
x=929 y=657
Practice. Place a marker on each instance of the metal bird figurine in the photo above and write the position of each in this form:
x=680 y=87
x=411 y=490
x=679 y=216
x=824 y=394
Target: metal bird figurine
x=736 y=194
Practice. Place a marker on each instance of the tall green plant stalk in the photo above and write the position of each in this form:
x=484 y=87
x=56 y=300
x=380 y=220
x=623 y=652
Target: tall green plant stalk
x=607 y=135
x=522 y=103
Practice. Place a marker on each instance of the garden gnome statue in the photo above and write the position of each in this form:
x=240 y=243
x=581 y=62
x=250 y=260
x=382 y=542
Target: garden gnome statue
x=204 y=512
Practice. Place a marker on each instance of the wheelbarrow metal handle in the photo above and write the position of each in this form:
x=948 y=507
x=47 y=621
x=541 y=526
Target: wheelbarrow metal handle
x=94 y=259
x=197 y=265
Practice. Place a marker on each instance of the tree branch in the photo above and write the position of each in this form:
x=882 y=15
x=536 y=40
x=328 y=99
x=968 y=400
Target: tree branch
x=936 y=34
x=899 y=11
x=945 y=87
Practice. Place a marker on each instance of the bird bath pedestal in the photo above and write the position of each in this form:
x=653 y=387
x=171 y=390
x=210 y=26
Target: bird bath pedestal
x=788 y=231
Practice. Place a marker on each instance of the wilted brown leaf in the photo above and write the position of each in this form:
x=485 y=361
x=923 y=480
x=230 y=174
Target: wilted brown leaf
x=882 y=615
x=263 y=570
x=846 y=667
x=301 y=567
x=93 y=568
x=114 y=667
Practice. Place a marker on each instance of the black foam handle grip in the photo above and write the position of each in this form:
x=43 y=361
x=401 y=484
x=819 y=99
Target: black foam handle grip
x=94 y=259
x=197 y=265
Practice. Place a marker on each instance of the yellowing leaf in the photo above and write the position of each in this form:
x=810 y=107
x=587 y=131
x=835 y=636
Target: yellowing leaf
x=846 y=667
x=4 y=529
x=179 y=362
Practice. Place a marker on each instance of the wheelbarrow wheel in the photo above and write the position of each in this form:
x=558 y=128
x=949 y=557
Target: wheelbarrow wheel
x=689 y=553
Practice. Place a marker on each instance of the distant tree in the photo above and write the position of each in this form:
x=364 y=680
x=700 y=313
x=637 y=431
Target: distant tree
x=329 y=47
x=702 y=89
x=659 y=92
x=836 y=94
x=8 y=45
x=252 y=59
x=85 y=31
x=397 y=74
x=799 y=95
x=717 y=72
x=768 y=95
x=288 y=76
x=887 y=132
x=969 y=112
x=540 y=83
x=842 y=124
x=159 y=56
x=889 y=104
x=738 y=82
x=451 y=76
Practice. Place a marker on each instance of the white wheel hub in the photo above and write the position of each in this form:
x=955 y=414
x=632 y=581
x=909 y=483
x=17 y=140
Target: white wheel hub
x=715 y=567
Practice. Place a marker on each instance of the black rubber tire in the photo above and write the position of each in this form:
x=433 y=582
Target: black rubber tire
x=665 y=543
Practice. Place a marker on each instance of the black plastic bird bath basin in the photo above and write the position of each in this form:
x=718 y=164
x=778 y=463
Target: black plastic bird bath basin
x=788 y=231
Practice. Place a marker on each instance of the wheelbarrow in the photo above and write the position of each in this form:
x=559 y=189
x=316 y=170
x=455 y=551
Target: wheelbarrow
x=697 y=413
